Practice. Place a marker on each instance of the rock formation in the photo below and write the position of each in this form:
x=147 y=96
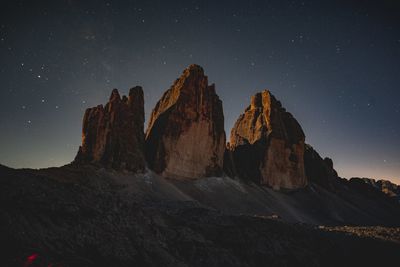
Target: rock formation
x=267 y=145
x=318 y=170
x=113 y=135
x=185 y=137
x=387 y=187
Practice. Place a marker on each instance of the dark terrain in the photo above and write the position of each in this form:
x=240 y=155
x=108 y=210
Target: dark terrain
x=85 y=216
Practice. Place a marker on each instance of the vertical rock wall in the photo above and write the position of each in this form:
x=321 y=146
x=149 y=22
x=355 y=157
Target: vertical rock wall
x=113 y=135
x=185 y=138
x=267 y=144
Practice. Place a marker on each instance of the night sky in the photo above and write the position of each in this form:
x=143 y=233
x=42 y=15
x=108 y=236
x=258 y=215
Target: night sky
x=335 y=65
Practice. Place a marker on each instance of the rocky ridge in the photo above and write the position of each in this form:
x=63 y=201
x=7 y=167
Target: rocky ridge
x=388 y=188
x=319 y=170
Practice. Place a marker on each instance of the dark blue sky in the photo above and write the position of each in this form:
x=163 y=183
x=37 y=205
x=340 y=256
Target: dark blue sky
x=334 y=64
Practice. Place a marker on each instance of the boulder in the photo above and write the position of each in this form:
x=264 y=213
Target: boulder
x=185 y=138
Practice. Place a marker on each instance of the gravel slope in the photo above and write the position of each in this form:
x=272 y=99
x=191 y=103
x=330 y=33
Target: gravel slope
x=88 y=217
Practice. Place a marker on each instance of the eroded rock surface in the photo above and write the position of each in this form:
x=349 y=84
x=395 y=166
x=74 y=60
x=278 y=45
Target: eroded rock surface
x=267 y=144
x=185 y=137
x=113 y=135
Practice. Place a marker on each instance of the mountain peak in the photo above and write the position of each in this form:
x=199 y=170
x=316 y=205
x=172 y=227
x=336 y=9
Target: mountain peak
x=267 y=144
x=115 y=96
x=113 y=136
x=258 y=100
x=194 y=68
x=185 y=137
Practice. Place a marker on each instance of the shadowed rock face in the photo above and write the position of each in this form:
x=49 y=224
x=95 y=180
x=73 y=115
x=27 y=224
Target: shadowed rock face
x=113 y=135
x=318 y=170
x=267 y=145
x=185 y=137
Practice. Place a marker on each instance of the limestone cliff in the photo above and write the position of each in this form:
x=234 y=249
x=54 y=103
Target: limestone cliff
x=267 y=145
x=113 y=135
x=185 y=137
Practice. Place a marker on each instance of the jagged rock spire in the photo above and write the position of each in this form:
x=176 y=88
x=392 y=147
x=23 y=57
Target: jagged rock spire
x=113 y=136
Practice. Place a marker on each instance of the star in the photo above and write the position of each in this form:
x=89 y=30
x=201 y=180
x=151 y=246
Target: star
x=338 y=50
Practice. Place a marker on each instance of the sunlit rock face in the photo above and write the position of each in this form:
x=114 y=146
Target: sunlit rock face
x=267 y=145
x=113 y=135
x=185 y=138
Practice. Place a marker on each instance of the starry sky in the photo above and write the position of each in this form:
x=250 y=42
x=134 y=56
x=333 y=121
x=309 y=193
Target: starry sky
x=335 y=65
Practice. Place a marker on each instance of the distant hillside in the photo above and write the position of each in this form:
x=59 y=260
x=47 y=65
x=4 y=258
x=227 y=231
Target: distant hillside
x=390 y=189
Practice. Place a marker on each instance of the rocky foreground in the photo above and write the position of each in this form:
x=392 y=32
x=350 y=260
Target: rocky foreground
x=93 y=217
